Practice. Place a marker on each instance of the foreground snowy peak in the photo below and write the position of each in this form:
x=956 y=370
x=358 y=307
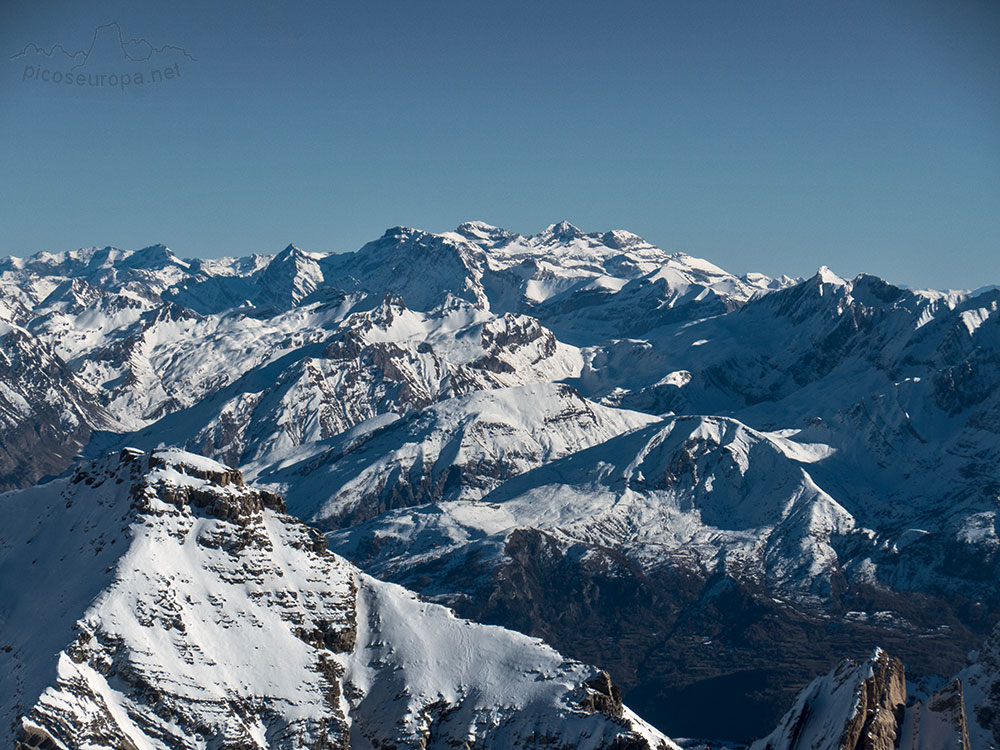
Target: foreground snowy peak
x=167 y=586
x=184 y=608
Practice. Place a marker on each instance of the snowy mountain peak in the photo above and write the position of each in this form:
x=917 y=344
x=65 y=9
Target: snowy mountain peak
x=290 y=251
x=290 y=277
x=858 y=705
x=184 y=608
x=874 y=291
x=865 y=704
x=619 y=239
x=825 y=276
x=560 y=232
x=402 y=234
x=153 y=257
x=481 y=232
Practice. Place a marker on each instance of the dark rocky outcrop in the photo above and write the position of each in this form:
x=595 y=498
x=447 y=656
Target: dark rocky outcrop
x=46 y=413
x=878 y=716
x=603 y=696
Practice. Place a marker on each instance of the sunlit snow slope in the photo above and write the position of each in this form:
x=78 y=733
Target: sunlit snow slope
x=157 y=601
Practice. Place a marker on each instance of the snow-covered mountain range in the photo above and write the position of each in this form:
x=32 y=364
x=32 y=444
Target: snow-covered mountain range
x=712 y=486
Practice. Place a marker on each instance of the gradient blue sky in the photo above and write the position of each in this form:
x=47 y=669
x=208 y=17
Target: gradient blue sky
x=768 y=136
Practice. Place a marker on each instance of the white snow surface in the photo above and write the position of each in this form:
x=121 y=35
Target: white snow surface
x=743 y=499
x=439 y=391
x=182 y=608
x=461 y=448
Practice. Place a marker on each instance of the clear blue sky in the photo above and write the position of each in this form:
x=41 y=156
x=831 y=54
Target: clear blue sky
x=770 y=136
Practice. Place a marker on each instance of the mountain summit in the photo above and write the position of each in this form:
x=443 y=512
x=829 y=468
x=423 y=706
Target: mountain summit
x=185 y=607
x=715 y=487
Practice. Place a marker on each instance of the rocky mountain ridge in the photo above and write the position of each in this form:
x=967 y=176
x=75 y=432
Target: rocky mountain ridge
x=866 y=705
x=706 y=483
x=185 y=608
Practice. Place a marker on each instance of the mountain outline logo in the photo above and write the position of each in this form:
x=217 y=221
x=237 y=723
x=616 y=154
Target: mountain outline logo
x=110 y=60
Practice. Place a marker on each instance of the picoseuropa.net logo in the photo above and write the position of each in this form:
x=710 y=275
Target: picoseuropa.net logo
x=110 y=62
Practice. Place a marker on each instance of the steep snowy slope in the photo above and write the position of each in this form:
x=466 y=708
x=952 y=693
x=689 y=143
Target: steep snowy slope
x=981 y=694
x=389 y=360
x=685 y=554
x=184 y=608
x=46 y=412
x=458 y=449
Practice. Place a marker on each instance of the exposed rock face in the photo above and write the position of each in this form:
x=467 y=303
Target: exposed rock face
x=603 y=696
x=878 y=716
x=864 y=706
x=184 y=608
x=46 y=412
x=858 y=706
x=938 y=723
